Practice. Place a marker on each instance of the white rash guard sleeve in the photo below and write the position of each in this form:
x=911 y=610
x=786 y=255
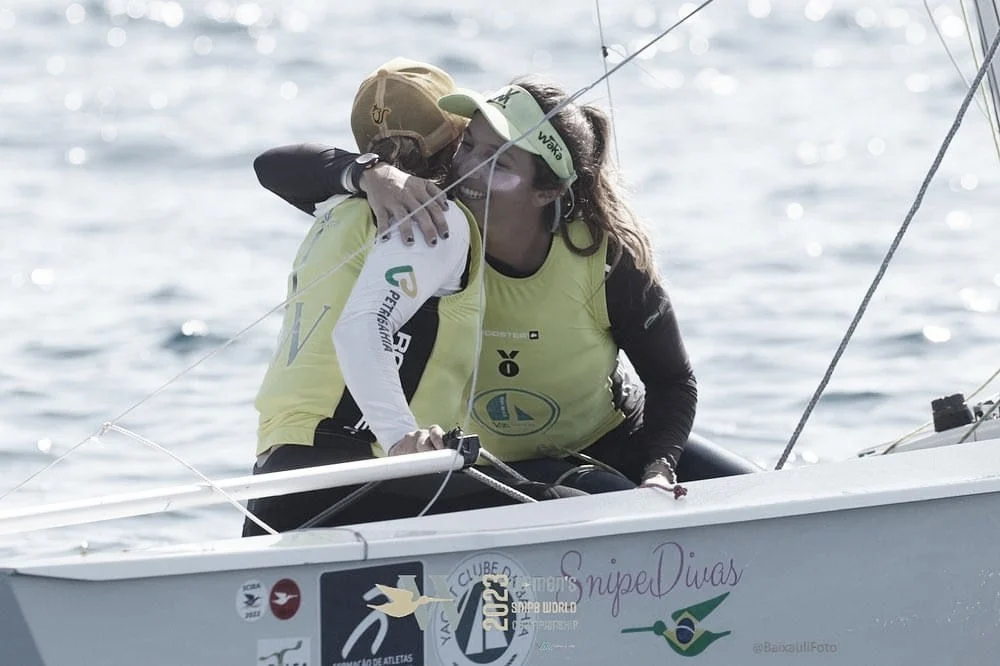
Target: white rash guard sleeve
x=394 y=283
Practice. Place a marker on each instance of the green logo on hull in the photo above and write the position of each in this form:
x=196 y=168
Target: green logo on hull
x=686 y=638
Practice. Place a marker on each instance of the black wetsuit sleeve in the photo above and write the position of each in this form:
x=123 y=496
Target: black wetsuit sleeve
x=303 y=174
x=644 y=326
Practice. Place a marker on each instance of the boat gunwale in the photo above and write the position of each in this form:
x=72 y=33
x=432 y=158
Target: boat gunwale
x=924 y=475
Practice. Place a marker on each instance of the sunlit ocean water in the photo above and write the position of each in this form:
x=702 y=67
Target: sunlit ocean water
x=773 y=148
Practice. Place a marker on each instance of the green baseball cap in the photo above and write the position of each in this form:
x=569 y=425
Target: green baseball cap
x=512 y=111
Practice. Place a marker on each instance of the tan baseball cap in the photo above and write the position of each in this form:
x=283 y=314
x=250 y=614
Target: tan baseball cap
x=400 y=99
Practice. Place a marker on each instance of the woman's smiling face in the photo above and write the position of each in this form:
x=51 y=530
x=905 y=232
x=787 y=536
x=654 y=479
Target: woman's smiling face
x=511 y=190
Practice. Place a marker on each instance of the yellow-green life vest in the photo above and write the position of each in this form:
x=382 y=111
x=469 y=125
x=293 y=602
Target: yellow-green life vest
x=435 y=350
x=544 y=384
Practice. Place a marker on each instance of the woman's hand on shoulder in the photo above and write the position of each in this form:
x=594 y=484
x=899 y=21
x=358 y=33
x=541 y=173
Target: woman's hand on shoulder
x=419 y=441
x=396 y=195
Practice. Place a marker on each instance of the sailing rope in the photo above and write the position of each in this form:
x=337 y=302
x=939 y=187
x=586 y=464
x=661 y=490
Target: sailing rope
x=989 y=100
x=892 y=248
x=163 y=387
x=607 y=81
x=958 y=68
x=229 y=498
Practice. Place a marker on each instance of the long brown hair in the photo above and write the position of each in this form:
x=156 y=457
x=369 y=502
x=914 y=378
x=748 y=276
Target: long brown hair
x=597 y=198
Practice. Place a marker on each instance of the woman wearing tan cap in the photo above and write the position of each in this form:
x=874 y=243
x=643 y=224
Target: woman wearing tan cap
x=374 y=333
x=570 y=282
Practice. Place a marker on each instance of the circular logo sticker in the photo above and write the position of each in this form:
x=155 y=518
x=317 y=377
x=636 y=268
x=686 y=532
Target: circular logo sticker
x=489 y=625
x=515 y=412
x=250 y=601
x=285 y=599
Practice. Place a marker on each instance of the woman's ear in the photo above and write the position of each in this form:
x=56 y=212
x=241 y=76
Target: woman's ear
x=542 y=198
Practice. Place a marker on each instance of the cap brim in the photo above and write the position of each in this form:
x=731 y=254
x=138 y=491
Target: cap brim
x=465 y=103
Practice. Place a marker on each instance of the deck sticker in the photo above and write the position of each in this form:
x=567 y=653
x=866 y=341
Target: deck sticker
x=364 y=618
x=284 y=652
x=489 y=629
x=284 y=599
x=250 y=601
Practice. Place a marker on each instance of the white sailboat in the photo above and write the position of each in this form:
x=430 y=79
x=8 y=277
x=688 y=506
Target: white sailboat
x=890 y=557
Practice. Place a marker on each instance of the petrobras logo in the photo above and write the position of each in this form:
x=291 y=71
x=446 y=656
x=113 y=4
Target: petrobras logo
x=404 y=278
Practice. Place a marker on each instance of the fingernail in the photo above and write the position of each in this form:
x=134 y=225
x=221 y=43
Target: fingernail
x=385 y=237
x=409 y=239
x=434 y=241
x=444 y=235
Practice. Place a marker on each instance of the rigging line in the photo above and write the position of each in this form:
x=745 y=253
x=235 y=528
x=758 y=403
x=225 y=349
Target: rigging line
x=427 y=507
x=482 y=293
x=988 y=99
x=229 y=498
x=639 y=52
x=205 y=357
x=645 y=71
x=478 y=346
x=607 y=82
x=987 y=415
x=570 y=98
x=954 y=62
x=892 y=249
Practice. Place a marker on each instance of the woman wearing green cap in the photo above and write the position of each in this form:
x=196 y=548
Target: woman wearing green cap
x=378 y=343
x=570 y=281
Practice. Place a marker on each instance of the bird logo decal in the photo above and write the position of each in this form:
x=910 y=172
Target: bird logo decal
x=282 y=598
x=280 y=655
x=686 y=638
x=402 y=602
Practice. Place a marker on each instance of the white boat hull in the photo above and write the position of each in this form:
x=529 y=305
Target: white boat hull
x=885 y=559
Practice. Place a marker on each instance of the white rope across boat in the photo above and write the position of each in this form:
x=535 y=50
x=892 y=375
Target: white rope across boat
x=172 y=498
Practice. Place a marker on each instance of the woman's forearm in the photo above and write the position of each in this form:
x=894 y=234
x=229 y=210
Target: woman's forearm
x=304 y=174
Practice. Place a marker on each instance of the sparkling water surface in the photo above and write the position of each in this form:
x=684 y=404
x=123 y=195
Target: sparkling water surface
x=773 y=148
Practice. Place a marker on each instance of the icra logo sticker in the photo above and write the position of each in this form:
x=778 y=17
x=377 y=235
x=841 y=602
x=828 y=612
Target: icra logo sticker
x=488 y=631
x=250 y=601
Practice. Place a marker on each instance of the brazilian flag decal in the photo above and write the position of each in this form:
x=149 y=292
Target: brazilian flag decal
x=687 y=638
